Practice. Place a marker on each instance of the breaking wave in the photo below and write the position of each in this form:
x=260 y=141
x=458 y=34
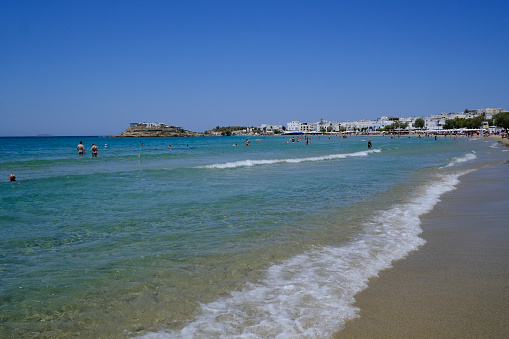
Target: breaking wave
x=248 y=163
x=465 y=158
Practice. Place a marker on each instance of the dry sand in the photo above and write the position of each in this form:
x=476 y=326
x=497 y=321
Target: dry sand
x=457 y=284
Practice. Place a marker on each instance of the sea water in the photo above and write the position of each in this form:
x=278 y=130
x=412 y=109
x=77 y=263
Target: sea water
x=198 y=238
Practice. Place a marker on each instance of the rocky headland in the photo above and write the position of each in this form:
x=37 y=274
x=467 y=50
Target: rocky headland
x=160 y=130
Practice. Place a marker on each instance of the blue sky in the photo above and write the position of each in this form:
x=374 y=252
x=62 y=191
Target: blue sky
x=92 y=67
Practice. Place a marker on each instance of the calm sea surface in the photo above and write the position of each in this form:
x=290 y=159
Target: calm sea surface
x=207 y=240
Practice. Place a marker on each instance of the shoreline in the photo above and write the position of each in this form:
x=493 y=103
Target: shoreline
x=457 y=284
x=499 y=138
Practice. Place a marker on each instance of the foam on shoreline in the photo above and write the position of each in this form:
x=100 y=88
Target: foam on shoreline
x=312 y=294
x=455 y=286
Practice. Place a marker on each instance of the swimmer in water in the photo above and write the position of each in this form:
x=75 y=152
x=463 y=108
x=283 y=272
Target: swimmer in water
x=81 y=148
x=12 y=177
x=369 y=144
x=94 y=150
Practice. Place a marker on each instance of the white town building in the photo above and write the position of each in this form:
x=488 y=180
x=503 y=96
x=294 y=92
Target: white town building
x=293 y=126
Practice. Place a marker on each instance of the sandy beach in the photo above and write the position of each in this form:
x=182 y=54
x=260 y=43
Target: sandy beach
x=457 y=284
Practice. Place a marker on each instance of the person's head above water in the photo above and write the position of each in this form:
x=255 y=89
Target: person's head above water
x=12 y=177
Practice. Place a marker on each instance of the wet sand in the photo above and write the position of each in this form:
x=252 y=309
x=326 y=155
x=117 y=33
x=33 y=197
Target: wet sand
x=457 y=284
x=500 y=139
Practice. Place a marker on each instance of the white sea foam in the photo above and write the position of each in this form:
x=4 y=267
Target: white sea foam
x=465 y=158
x=247 y=163
x=312 y=294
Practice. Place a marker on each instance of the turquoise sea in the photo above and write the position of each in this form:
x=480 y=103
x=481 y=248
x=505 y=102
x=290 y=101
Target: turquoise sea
x=208 y=240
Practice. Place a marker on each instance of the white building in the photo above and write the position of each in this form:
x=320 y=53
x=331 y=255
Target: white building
x=434 y=122
x=490 y=111
x=328 y=126
x=307 y=127
x=313 y=127
x=363 y=124
x=270 y=129
x=152 y=126
x=293 y=126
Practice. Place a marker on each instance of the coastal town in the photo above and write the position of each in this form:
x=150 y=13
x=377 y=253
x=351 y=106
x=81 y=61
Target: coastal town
x=430 y=124
x=437 y=124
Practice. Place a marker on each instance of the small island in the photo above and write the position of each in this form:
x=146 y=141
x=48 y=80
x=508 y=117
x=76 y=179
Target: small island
x=152 y=129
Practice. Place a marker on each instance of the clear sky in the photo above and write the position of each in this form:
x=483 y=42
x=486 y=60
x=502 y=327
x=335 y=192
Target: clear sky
x=92 y=67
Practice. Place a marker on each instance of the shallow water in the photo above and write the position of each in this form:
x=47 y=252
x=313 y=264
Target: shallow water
x=204 y=239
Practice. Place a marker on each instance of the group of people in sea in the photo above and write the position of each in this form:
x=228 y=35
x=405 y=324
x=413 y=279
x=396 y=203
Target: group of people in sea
x=81 y=149
x=307 y=140
x=300 y=138
x=247 y=142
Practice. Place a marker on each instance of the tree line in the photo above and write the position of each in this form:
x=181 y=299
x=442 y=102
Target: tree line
x=500 y=120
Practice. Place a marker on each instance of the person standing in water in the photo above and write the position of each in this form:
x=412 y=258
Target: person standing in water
x=94 y=150
x=81 y=148
x=369 y=144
